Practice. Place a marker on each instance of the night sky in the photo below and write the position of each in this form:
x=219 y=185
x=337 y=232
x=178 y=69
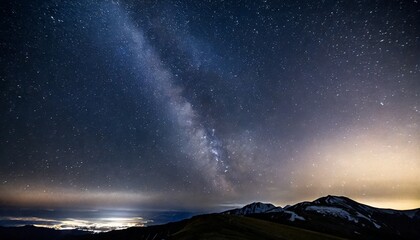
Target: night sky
x=201 y=104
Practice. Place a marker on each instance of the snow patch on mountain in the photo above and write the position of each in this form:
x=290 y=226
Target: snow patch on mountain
x=341 y=213
x=333 y=211
x=275 y=210
x=368 y=219
x=412 y=213
x=294 y=216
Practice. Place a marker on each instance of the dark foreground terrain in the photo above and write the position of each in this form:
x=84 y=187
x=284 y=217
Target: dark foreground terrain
x=325 y=218
x=214 y=226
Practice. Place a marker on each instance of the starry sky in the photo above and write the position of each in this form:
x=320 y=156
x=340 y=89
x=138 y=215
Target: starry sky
x=199 y=104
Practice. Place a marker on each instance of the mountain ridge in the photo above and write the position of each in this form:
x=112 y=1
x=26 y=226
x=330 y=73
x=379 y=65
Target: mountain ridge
x=342 y=216
x=329 y=217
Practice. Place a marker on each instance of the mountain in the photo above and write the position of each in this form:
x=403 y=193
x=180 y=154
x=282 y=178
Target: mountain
x=344 y=217
x=330 y=217
x=256 y=207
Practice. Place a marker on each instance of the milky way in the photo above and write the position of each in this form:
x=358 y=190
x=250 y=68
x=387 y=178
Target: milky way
x=198 y=143
x=190 y=104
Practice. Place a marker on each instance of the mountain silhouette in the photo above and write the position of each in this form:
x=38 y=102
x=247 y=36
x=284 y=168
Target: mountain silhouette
x=330 y=217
